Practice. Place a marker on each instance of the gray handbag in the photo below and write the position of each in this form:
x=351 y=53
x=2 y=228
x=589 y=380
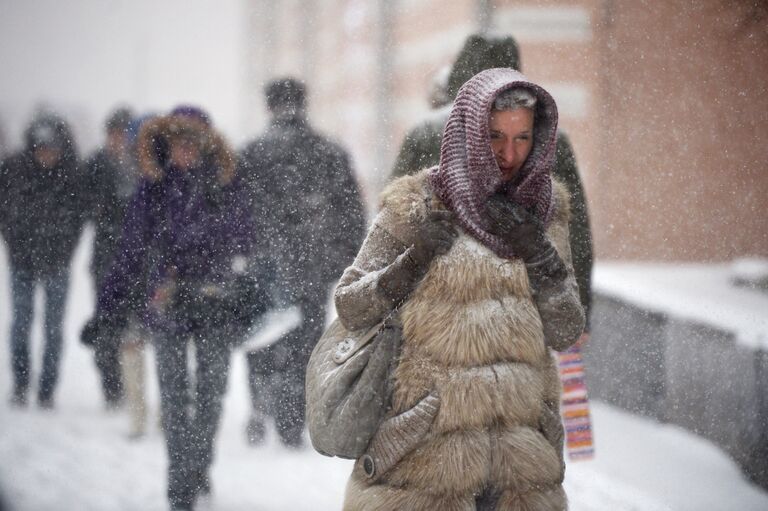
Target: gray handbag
x=348 y=386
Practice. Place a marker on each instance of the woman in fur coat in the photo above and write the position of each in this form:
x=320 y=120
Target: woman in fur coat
x=473 y=255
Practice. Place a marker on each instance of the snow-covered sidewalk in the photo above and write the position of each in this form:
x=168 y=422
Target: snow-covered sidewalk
x=77 y=457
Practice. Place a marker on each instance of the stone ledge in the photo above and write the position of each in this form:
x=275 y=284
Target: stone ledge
x=679 y=371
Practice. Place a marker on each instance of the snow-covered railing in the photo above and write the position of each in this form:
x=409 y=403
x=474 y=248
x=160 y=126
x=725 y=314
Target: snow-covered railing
x=687 y=344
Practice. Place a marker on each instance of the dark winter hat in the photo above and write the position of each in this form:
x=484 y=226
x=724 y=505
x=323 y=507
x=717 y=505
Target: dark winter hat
x=44 y=135
x=47 y=130
x=192 y=112
x=119 y=119
x=285 y=92
x=481 y=52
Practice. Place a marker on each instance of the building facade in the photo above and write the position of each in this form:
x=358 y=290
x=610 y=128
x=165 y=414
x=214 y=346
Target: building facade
x=666 y=103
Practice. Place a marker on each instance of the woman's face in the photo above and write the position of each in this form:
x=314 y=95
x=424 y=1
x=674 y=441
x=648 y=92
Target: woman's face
x=184 y=154
x=511 y=139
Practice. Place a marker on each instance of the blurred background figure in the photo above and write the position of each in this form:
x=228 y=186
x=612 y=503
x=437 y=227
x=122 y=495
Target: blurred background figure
x=40 y=219
x=188 y=228
x=111 y=177
x=438 y=89
x=112 y=174
x=310 y=222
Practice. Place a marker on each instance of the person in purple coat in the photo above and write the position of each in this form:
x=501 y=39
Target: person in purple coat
x=186 y=237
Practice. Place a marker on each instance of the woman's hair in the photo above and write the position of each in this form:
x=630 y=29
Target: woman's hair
x=514 y=98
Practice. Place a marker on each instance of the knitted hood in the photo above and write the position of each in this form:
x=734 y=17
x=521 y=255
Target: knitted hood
x=468 y=173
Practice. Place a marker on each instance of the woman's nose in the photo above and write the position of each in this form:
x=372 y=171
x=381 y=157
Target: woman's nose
x=508 y=152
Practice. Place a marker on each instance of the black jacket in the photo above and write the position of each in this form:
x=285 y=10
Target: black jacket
x=105 y=205
x=40 y=214
x=41 y=209
x=307 y=205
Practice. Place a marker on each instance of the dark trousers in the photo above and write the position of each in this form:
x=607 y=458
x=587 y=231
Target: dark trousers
x=277 y=372
x=106 y=354
x=107 y=358
x=23 y=293
x=190 y=415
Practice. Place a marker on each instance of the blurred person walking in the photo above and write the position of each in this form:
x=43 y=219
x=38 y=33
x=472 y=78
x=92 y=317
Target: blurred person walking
x=111 y=176
x=40 y=220
x=311 y=219
x=188 y=228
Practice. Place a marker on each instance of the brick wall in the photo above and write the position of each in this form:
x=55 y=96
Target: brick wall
x=665 y=103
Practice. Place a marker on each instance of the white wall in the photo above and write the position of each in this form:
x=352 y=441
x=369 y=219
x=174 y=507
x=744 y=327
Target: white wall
x=85 y=56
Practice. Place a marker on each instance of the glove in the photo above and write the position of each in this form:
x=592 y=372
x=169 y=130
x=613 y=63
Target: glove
x=398 y=436
x=525 y=234
x=511 y=222
x=90 y=332
x=99 y=327
x=435 y=237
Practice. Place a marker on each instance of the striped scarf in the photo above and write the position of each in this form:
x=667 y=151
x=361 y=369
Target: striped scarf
x=468 y=173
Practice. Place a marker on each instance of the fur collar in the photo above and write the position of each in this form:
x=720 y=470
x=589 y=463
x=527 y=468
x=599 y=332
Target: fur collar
x=163 y=129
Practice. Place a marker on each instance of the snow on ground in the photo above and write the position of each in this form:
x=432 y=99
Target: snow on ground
x=700 y=292
x=78 y=457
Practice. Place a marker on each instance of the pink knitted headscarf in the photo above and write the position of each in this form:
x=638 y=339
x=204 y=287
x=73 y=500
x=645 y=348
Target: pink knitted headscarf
x=468 y=173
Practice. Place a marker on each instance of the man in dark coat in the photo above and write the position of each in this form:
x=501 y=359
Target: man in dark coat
x=312 y=221
x=40 y=220
x=112 y=174
x=421 y=147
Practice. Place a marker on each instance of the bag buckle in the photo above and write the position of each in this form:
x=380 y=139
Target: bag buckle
x=343 y=350
x=352 y=344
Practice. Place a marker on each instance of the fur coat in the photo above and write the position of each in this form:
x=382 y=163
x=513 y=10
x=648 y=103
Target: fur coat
x=477 y=333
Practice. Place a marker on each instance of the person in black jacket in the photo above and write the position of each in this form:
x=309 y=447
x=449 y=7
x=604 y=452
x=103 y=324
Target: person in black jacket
x=311 y=220
x=111 y=173
x=40 y=220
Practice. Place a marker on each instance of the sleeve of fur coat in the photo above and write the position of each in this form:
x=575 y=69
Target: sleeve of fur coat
x=360 y=298
x=562 y=314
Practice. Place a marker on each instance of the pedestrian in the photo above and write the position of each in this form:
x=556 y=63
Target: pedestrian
x=311 y=220
x=421 y=149
x=111 y=175
x=188 y=229
x=473 y=258
x=40 y=219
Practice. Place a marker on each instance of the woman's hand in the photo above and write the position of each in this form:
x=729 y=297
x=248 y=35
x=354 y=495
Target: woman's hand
x=511 y=222
x=525 y=233
x=435 y=237
x=163 y=295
